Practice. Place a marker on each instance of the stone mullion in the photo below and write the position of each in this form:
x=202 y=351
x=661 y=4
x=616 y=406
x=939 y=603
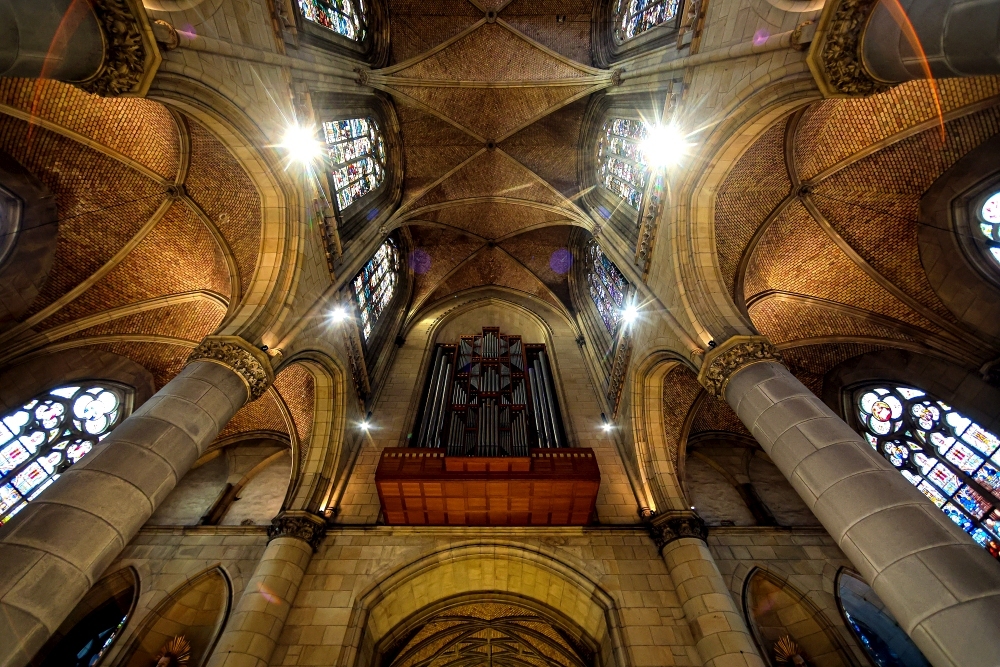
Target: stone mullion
x=929 y=572
x=55 y=549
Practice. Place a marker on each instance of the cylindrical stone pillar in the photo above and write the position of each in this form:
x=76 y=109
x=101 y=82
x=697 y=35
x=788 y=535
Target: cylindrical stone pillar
x=909 y=39
x=254 y=628
x=54 y=550
x=941 y=586
x=717 y=627
x=866 y=46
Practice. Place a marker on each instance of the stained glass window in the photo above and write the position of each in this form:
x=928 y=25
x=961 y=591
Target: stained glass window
x=622 y=167
x=607 y=286
x=357 y=157
x=375 y=285
x=344 y=17
x=989 y=223
x=635 y=17
x=49 y=434
x=947 y=456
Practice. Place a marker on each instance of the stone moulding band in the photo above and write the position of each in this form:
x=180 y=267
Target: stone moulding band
x=672 y=526
x=724 y=361
x=300 y=525
x=251 y=364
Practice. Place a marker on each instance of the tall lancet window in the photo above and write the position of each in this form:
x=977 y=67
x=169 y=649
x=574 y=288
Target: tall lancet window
x=357 y=157
x=608 y=286
x=635 y=17
x=989 y=223
x=375 y=285
x=621 y=164
x=951 y=459
x=50 y=433
x=344 y=17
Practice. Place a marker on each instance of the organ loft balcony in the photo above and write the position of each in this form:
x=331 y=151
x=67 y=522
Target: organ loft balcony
x=490 y=447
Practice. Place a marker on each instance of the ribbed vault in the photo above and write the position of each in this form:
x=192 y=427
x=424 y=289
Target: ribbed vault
x=491 y=101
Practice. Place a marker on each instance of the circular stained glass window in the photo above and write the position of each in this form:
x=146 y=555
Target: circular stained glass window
x=989 y=224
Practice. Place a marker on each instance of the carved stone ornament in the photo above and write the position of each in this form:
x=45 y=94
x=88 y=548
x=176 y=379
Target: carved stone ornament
x=619 y=370
x=616 y=76
x=124 y=52
x=671 y=526
x=841 y=56
x=738 y=352
x=300 y=525
x=250 y=363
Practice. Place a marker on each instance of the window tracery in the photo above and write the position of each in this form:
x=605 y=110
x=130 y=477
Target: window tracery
x=608 y=286
x=989 y=224
x=48 y=434
x=344 y=17
x=375 y=285
x=949 y=458
x=635 y=17
x=621 y=165
x=356 y=150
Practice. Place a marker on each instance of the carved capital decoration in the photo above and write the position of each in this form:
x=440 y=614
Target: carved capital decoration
x=652 y=208
x=835 y=56
x=619 y=369
x=616 y=76
x=301 y=525
x=671 y=526
x=125 y=56
x=738 y=352
x=239 y=356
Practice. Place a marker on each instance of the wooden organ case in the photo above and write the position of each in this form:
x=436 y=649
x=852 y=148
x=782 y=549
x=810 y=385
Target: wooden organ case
x=489 y=446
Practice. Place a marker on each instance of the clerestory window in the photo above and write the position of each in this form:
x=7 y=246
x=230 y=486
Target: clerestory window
x=344 y=17
x=375 y=285
x=989 y=224
x=634 y=17
x=608 y=286
x=622 y=168
x=356 y=151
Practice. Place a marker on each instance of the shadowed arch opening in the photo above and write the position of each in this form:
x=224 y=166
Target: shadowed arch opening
x=777 y=613
x=197 y=610
x=90 y=631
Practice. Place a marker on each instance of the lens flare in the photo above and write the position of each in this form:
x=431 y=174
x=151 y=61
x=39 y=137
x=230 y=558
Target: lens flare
x=760 y=37
x=420 y=261
x=561 y=261
x=665 y=145
x=301 y=145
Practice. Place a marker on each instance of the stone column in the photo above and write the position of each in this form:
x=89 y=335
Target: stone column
x=254 y=628
x=865 y=46
x=53 y=551
x=941 y=586
x=720 y=634
x=103 y=46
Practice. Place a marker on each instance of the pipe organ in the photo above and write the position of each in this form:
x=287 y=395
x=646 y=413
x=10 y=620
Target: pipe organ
x=490 y=395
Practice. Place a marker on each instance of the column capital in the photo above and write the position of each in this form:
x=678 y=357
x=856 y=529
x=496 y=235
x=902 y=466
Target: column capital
x=723 y=361
x=130 y=54
x=304 y=526
x=835 y=57
x=674 y=525
x=250 y=363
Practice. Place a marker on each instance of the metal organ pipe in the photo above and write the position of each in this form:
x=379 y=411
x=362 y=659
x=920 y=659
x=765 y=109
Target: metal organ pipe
x=442 y=403
x=543 y=402
x=550 y=397
x=431 y=398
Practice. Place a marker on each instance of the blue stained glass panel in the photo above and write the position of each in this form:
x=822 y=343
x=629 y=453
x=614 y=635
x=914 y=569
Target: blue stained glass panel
x=375 y=285
x=634 y=17
x=344 y=17
x=356 y=152
x=948 y=463
x=49 y=434
x=621 y=165
x=608 y=286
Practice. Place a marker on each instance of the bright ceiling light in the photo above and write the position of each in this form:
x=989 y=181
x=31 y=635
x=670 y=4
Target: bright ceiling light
x=665 y=145
x=302 y=145
x=338 y=314
x=630 y=314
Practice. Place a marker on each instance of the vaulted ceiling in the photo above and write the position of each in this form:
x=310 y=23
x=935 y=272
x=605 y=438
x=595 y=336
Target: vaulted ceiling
x=490 y=98
x=817 y=224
